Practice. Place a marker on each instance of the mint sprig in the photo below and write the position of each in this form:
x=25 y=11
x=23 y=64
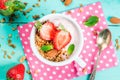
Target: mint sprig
x=46 y=48
x=92 y=20
x=12 y=6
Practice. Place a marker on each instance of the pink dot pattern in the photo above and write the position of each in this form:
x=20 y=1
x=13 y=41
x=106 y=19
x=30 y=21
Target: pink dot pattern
x=42 y=71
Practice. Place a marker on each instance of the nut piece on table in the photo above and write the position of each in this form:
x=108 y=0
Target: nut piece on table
x=67 y=2
x=115 y=20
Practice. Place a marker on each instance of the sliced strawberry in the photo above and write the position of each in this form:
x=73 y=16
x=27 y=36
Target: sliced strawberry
x=61 y=39
x=47 y=31
x=16 y=72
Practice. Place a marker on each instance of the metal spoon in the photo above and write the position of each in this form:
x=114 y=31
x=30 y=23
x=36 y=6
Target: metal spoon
x=103 y=40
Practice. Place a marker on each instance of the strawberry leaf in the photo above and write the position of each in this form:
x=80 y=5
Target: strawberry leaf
x=38 y=25
x=46 y=47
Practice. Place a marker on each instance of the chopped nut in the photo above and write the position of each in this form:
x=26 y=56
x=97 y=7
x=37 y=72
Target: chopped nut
x=9 y=41
x=35 y=17
x=117 y=41
x=84 y=70
x=9 y=35
x=9 y=57
x=22 y=59
x=14 y=28
x=25 y=3
x=95 y=32
x=36 y=5
x=27 y=11
x=115 y=20
x=12 y=53
x=69 y=12
x=38 y=0
x=53 y=11
x=28 y=72
x=117 y=44
x=5 y=53
x=12 y=45
x=63 y=0
x=67 y=2
x=81 y=5
x=2 y=20
x=36 y=71
x=81 y=9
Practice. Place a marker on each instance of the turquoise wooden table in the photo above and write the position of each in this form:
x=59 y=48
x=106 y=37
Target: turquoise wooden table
x=110 y=8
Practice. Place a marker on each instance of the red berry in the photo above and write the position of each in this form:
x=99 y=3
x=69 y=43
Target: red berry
x=61 y=39
x=47 y=31
x=16 y=72
x=2 y=4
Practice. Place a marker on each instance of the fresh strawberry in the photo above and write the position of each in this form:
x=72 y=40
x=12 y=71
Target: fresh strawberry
x=16 y=72
x=47 y=31
x=2 y=4
x=61 y=39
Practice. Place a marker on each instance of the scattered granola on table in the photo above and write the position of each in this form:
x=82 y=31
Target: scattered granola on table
x=9 y=57
x=11 y=44
x=28 y=72
x=53 y=11
x=67 y=2
x=27 y=11
x=12 y=53
x=2 y=20
x=22 y=59
x=117 y=44
x=9 y=35
x=35 y=17
x=36 y=5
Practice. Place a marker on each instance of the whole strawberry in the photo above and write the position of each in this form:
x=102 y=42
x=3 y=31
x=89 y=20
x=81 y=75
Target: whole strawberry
x=16 y=72
x=8 y=7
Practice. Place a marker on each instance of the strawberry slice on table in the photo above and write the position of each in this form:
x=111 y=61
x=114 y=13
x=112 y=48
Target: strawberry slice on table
x=61 y=39
x=47 y=31
x=16 y=72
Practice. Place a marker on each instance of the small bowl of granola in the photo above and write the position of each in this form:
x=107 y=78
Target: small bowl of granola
x=57 y=40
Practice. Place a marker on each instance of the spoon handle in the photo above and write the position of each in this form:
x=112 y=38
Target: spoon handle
x=92 y=76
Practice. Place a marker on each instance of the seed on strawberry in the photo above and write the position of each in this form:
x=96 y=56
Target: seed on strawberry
x=61 y=39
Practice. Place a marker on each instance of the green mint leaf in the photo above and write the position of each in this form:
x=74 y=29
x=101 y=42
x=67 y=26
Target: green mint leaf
x=9 y=3
x=46 y=48
x=38 y=25
x=61 y=27
x=18 y=5
x=92 y=20
x=70 y=49
x=7 y=12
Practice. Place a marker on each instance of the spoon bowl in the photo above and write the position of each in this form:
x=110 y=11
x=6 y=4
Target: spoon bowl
x=103 y=41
